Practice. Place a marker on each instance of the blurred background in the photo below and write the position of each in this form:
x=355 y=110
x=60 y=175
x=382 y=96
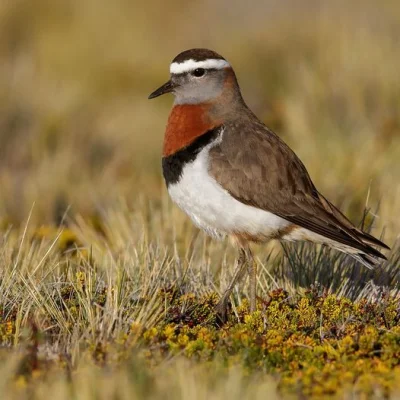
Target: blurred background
x=77 y=132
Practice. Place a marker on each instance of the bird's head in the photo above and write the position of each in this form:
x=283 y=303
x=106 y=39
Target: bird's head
x=199 y=76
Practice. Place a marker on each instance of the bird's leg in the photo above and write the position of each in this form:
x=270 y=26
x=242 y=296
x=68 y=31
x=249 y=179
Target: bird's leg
x=237 y=277
x=252 y=270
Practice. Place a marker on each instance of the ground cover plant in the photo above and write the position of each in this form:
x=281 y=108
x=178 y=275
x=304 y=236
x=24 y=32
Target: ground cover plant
x=127 y=309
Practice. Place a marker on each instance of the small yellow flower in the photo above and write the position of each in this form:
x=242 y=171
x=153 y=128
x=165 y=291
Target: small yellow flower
x=150 y=334
x=21 y=382
x=8 y=328
x=183 y=340
x=169 y=331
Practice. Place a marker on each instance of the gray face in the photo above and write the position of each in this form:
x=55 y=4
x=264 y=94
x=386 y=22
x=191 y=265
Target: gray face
x=198 y=86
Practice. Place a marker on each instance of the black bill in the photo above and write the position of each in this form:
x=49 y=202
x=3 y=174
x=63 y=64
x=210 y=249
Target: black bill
x=166 y=88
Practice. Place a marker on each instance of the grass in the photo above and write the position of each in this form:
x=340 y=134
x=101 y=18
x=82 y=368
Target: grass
x=106 y=288
x=81 y=304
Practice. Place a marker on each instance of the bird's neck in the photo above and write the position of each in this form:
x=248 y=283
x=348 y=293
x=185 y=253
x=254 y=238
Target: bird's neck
x=186 y=123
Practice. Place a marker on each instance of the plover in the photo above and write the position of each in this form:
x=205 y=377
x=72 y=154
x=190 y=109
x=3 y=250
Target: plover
x=235 y=177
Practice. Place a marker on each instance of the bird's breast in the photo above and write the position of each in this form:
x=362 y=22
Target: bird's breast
x=174 y=164
x=186 y=123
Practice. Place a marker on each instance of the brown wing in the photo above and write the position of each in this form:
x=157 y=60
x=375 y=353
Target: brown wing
x=259 y=169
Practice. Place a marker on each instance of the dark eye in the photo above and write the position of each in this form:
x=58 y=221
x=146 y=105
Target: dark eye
x=198 y=72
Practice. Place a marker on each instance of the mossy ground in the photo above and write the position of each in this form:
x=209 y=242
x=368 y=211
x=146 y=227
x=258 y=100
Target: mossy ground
x=317 y=344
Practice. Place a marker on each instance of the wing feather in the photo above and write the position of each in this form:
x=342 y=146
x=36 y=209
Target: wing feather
x=259 y=169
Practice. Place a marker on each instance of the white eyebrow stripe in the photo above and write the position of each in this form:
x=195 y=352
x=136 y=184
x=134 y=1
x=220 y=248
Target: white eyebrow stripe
x=190 y=65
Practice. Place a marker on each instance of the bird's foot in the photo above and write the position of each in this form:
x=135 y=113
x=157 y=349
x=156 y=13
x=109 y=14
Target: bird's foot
x=221 y=311
x=253 y=304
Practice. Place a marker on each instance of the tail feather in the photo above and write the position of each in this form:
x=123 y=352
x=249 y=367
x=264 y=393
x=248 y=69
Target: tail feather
x=371 y=240
x=363 y=240
x=371 y=251
x=369 y=256
x=367 y=260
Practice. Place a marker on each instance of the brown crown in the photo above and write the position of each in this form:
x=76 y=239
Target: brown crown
x=197 y=55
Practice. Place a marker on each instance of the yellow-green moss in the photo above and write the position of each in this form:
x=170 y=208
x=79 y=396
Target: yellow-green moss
x=320 y=345
x=317 y=345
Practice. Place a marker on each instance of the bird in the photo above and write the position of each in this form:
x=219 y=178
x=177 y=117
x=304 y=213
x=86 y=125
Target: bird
x=234 y=177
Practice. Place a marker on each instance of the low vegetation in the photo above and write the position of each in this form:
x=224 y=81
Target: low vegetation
x=144 y=319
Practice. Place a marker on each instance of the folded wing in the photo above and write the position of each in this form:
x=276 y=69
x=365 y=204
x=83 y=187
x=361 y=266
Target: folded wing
x=265 y=173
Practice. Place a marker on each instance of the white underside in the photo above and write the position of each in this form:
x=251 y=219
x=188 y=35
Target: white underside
x=215 y=211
